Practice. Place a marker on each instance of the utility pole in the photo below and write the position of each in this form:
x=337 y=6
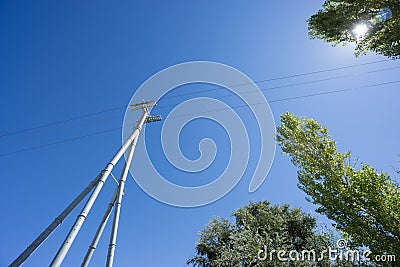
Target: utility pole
x=117 y=206
x=95 y=186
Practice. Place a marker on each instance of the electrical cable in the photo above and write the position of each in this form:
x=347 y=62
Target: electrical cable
x=174 y=96
x=291 y=98
x=62 y=121
x=169 y=105
x=285 y=77
x=288 y=85
x=239 y=106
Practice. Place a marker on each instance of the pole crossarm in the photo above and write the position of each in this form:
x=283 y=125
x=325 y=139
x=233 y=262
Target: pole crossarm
x=143 y=105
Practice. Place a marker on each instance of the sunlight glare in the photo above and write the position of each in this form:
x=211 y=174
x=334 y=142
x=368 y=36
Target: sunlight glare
x=360 y=30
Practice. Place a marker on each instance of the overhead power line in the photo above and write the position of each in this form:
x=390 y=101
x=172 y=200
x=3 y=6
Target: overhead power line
x=62 y=121
x=285 y=77
x=287 y=85
x=207 y=90
x=291 y=98
x=59 y=142
x=198 y=113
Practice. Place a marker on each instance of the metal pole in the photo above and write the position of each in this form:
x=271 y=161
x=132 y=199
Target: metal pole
x=117 y=208
x=100 y=230
x=57 y=221
x=62 y=252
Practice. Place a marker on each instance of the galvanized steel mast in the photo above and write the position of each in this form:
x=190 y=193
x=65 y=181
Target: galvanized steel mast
x=95 y=186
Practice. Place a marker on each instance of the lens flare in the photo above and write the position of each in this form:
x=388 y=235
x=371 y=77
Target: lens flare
x=360 y=30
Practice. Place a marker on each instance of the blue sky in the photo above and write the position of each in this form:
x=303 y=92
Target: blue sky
x=60 y=60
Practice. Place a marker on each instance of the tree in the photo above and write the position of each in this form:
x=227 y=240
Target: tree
x=378 y=23
x=364 y=203
x=259 y=230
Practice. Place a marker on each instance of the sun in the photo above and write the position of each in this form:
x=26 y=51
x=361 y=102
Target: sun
x=360 y=30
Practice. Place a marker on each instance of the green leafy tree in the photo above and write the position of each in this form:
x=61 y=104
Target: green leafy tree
x=364 y=203
x=260 y=228
x=380 y=31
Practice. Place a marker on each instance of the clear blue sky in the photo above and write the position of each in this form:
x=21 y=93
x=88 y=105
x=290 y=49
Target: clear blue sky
x=59 y=60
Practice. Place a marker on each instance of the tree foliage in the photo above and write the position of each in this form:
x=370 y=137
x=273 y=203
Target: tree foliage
x=364 y=203
x=222 y=243
x=336 y=20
